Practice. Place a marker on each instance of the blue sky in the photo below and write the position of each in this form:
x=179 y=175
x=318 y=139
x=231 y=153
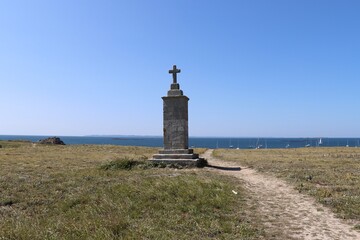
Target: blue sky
x=254 y=68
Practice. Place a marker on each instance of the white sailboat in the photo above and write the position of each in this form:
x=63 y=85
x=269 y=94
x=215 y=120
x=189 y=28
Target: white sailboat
x=230 y=145
x=258 y=146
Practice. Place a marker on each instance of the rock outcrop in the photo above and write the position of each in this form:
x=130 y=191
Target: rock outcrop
x=52 y=141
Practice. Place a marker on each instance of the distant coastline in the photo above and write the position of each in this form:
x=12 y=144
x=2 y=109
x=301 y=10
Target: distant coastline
x=200 y=142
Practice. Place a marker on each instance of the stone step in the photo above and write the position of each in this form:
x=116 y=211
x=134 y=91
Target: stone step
x=174 y=160
x=176 y=151
x=176 y=156
x=198 y=162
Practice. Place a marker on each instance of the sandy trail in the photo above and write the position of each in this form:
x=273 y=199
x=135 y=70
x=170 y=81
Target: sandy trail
x=283 y=208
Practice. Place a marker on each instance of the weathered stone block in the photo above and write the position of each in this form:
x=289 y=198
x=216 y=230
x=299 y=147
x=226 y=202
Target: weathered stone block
x=175 y=86
x=175 y=122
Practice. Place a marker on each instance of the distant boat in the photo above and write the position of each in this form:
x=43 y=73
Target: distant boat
x=258 y=146
x=230 y=145
x=320 y=141
x=308 y=145
x=287 y=146
x=238 y=144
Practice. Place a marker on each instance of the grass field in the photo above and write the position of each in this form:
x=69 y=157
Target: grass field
x=331 y=175
x=70 y=192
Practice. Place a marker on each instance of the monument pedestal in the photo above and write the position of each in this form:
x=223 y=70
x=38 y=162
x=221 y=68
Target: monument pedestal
x=178 y=156
x=176 y=134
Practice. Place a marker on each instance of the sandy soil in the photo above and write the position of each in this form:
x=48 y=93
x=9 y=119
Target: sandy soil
x=285 y=210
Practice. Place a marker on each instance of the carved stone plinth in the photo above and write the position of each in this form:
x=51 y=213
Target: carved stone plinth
x=175 y=129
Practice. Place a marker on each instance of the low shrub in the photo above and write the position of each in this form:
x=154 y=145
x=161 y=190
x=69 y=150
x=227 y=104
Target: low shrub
x=122 y=164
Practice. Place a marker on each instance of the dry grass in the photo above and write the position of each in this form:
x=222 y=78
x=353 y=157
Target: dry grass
x=331 y=175
x=63 y=192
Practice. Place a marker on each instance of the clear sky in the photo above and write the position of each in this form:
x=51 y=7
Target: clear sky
x=257 y=68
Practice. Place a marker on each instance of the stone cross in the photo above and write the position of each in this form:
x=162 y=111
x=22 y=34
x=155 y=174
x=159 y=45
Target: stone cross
x=174 y=71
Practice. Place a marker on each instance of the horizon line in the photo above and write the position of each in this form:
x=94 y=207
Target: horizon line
x=159 y=136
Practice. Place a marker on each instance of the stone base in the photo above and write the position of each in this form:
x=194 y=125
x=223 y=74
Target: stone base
x=183 y=157
x=199 y=162
x=176 y=151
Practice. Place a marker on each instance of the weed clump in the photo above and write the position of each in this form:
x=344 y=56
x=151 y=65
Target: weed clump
x=122 y=164
x=7 y=202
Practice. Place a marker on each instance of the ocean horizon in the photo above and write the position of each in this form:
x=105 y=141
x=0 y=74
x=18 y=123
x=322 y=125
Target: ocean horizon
x=198 y=142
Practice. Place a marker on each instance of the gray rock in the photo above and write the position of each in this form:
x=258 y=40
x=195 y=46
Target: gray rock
x=52 y=141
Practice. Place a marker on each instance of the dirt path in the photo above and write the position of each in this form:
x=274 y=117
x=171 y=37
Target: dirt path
x=281 y=207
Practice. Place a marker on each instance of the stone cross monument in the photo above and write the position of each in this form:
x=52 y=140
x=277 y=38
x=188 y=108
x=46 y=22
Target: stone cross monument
x=175 y=128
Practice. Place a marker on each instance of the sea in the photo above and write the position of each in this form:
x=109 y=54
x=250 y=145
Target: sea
x=200 y=142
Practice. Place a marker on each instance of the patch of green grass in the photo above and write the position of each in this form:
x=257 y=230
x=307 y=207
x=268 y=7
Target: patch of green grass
x=13 y=143
x=330 y=175
x=64 y=192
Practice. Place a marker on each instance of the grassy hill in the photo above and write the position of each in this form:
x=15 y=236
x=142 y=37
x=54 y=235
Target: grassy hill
x=90 y=192
x=110 y=192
